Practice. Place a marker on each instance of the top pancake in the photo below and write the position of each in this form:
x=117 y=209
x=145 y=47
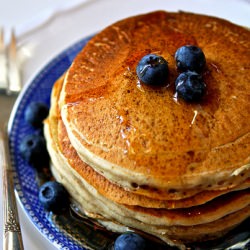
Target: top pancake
x=143 y=138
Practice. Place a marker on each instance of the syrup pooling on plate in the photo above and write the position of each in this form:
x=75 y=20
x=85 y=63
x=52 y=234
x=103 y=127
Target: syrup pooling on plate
x=89 y=234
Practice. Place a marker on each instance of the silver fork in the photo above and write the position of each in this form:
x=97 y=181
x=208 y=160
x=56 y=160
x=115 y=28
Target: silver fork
x=10 y=80
x=10 y=85
x=3 y=63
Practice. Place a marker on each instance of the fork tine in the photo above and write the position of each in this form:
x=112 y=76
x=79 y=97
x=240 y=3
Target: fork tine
x=14 y=76
x=1 y=38
x=3 y=62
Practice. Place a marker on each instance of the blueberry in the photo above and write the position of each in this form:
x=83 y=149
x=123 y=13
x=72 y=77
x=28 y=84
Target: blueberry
x=53 y=196
x=190 y=86
x=152 y=70
x=191 y=58
x=33 y=150
x=131 y=241
x=35 y=113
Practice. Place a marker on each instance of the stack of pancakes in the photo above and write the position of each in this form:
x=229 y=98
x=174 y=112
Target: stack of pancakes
x=139 y=158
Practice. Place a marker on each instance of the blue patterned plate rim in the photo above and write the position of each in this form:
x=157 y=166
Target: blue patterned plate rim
x=26 y=187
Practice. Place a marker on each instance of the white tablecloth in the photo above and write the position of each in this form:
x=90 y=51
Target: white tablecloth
x=46 y=27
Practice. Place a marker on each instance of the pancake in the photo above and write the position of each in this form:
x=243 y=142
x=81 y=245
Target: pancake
x=143 y=139
x=101 y=184
x=98 y=207
x=174 y=223
x=120 y=195
x=136 y=158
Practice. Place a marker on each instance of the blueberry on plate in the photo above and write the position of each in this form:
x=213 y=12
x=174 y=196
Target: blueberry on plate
x=33 y=150
x=190 y=57
x=190 y=86
x=53 y=196
x=131 y=241
x=35 y=113
x=152 y=70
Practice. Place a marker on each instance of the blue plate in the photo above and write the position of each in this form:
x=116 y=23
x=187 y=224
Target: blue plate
x=25 y=178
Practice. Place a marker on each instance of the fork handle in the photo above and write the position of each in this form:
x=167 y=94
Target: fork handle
x=12 y=238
